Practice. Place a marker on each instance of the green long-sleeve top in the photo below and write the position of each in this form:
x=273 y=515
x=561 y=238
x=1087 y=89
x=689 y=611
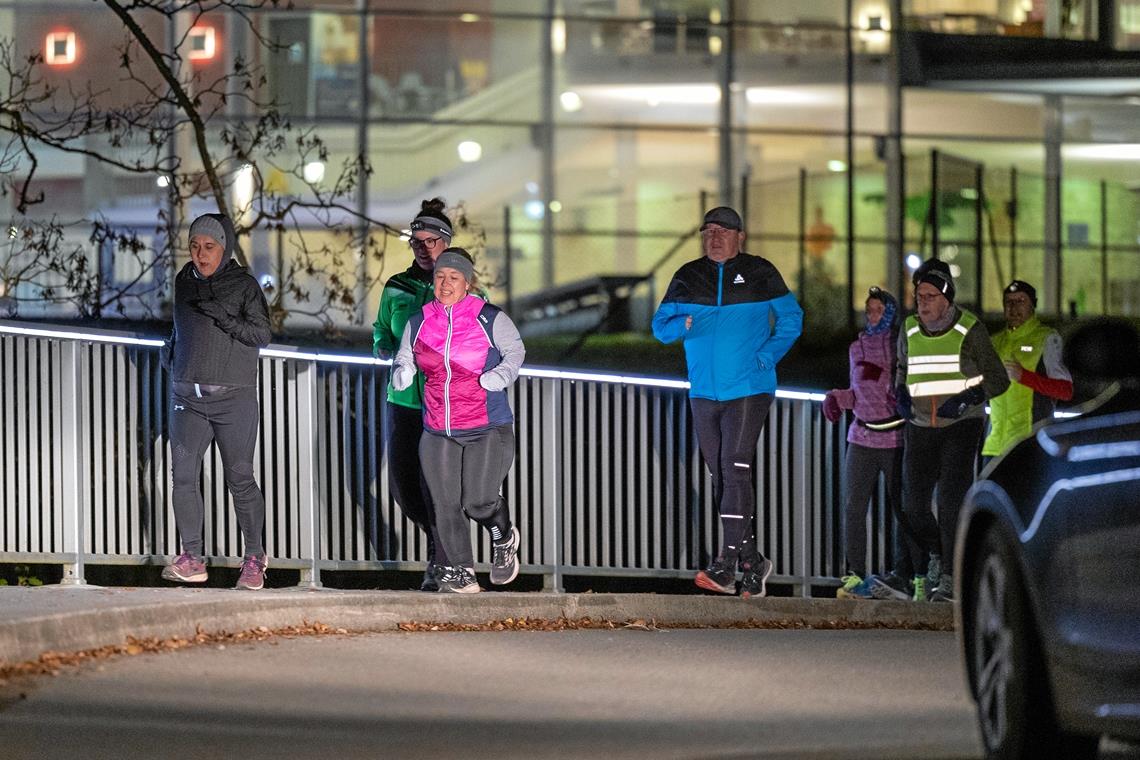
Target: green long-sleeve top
x=404 y=295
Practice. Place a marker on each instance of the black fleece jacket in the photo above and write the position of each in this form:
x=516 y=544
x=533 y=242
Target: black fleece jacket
x=220 y=322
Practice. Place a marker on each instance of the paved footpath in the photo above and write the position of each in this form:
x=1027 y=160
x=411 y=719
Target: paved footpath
x=68 y=618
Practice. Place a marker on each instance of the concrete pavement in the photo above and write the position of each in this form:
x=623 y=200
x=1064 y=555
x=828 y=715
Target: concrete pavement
x=69 y=618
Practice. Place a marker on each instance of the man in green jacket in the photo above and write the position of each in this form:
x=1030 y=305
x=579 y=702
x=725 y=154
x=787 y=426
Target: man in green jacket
x=405 y=293
x=1031 y=353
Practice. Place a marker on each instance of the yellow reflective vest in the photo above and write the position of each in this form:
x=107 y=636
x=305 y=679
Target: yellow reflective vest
x=1011 y=413
x=934 y=362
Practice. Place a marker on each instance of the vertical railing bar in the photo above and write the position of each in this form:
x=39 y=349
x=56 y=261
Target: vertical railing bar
x=605 y=452
x=74 y=463
x=565 y=465
x=802 y=507
x=644 y=509
x=308 y=491
x=551 y=426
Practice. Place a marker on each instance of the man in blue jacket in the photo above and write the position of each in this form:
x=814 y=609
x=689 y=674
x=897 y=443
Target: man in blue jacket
x=722 y=306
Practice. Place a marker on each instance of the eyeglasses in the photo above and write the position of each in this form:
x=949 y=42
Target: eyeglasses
x=420 y=244
x=927 y=297
x=716 y=232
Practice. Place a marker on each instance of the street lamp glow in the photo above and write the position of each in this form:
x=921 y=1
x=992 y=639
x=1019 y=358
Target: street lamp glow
x=469 y=151
x=835 y=165
x=163 y=181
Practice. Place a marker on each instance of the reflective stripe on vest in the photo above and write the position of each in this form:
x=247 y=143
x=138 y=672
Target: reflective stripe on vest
x=933 y=363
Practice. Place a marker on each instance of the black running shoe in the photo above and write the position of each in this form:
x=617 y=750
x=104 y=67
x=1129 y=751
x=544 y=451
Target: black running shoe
x=430 y=582
x=754 y=582
x=457 y=580
x=720 y=576
x=505 y=562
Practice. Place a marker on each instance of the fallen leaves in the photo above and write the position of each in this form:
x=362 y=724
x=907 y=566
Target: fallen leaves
x=52 y=663
x=586 y=623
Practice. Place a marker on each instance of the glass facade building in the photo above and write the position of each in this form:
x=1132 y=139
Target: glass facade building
x=586 y=137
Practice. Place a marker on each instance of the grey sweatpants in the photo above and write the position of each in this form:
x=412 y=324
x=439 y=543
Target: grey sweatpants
x=465 y=475
x=232 y=420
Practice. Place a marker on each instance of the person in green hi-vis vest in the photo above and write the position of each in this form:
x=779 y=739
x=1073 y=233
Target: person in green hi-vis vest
x=947 y=368
x=405 y=293
x=1031 y=352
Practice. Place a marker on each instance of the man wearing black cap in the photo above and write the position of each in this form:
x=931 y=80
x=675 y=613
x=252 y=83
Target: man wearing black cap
x=220 y=322
x=722 y=305
x=947 y=368
x=1031 y=352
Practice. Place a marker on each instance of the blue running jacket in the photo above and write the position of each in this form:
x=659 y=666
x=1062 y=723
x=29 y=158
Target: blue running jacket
x=733 y=346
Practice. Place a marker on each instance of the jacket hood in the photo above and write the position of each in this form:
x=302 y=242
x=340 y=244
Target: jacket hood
x=231 y=246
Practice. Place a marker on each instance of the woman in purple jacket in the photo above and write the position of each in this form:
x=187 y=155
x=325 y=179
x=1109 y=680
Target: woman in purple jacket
x=469 y=352
x=874 y=446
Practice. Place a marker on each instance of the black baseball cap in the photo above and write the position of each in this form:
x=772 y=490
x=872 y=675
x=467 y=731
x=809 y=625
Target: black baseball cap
x=725 y=217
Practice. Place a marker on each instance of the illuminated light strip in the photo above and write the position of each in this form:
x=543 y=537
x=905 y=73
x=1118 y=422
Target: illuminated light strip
x=278 y=353
x=1074 y=484
x=557 y=374
x=71 y=335
x=314 y=356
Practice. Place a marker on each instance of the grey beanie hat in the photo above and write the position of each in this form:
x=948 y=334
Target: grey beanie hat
x=209 y=226
x=459 y=260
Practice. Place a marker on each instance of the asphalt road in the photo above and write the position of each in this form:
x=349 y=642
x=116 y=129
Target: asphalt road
x=614 y=694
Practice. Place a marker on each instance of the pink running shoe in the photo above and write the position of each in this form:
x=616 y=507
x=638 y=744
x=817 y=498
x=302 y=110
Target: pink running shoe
x=185 y=569
x=252 y=576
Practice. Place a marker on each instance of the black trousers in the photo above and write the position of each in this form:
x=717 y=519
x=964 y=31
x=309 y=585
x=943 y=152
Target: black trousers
x=406 y=477
x=231 y=419
x=862 y=467
x=938 y=459
x=727 y=433
x=465 y=475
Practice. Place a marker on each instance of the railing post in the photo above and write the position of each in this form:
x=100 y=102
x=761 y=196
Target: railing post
x=71 y=458
x=308 y=490
x=552 y=532
x=801 y=525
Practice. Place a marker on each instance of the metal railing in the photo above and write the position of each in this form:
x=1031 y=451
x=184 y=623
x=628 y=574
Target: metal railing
x=608 y=479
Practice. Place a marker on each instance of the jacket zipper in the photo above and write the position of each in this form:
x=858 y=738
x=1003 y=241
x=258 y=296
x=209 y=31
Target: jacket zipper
x=447 y=369
x=719 y=298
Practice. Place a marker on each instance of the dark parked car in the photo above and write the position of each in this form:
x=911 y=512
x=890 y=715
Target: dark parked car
x=1048 y=559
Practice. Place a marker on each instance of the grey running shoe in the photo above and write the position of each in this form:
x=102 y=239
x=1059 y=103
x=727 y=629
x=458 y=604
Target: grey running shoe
x=505 y=562
x=720 y=576
x=252 y=576
x=185 y=569
x=755 y=579
x=933 y=572
x=945 y=590
x=429 y=582
x=457 y=580
x=891 y=586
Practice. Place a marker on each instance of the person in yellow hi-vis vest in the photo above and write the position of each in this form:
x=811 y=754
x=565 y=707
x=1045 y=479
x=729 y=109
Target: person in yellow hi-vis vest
x=947 y=368
x=1031 y=352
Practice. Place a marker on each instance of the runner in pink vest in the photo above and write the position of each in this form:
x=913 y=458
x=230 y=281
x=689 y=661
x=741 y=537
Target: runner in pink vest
x=469 y=353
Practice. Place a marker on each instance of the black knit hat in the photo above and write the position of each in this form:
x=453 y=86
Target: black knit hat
x=1021 y=286
x=937 y=273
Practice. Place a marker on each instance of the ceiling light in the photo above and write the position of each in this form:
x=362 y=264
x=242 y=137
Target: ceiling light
x=313 y=172
x=469 y=151
x=202 y=43
x=571 y=101
x=835 y=165
x=59 y=48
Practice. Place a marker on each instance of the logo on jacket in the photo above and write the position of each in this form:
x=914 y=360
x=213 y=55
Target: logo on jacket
x=738 y=279
x=179 y=408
